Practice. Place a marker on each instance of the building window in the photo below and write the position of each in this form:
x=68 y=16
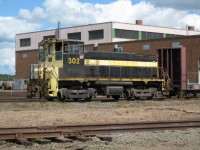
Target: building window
x=24 y=56
x=25 y=42
x=96 y=34
x=151 y=35
x=144 y=35
x=127 y=34
x=175 y=45
x=146 y=47
x=49 y=37
x=159 y=35
x=74 y=36
x=170 y=35
x=173 y=35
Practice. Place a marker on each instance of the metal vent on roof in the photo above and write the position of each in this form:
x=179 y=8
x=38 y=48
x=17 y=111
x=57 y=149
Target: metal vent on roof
x=138 y=22
x=117 y=48
x=96 y=47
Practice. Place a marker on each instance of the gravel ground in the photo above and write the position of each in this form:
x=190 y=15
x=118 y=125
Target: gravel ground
x=32 y=114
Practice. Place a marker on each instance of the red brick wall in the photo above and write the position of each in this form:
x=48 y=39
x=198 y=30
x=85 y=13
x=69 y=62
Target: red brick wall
x=192 y=44
x=23 y=64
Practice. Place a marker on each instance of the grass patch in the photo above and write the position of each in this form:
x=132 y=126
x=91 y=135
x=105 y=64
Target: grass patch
x=120 y=105
x=33 y=106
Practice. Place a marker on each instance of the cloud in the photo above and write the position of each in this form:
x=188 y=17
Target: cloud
x=177 y=4
x=170 y=13
x=69 y=12
x=37 y=15
x=191 y=19
x=7 y=57
x=121 y=10
x=74 y=12
x=9 y=27
x=159 y=16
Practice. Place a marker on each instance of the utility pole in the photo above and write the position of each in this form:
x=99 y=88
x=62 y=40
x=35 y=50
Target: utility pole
x=58 y=30
x=187 y=32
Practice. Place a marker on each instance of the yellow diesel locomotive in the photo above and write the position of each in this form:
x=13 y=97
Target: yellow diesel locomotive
x=65 y=70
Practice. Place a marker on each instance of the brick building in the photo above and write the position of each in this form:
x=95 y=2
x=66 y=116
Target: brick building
x=134 y=38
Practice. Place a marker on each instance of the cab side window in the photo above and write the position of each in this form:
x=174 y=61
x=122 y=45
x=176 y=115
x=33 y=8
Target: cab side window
x=58 y=51
x=41 y=53
x=50 y=49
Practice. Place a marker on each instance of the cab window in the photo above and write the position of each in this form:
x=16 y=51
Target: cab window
x=41 y=53
x=58 y=51
x=50 y=49
x=73 y=48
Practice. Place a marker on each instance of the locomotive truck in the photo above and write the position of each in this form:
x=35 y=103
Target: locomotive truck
x=65 y=70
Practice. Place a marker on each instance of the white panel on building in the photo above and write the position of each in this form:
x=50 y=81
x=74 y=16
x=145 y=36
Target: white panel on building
x=108 y=33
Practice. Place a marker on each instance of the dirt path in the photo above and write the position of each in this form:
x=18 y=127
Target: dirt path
x=27 y=114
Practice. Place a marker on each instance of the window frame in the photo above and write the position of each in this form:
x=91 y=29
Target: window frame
x=25 y=42
x=96 y=34
x=126 y=34
x=49 y=37
x=74 y=36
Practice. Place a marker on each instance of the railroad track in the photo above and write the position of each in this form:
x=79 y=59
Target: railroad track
x=7 y=96
x=92 y=130
x=19 y=100
x=24 y=100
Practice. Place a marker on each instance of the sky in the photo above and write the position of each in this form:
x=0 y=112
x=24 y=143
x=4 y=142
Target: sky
x=21 y=16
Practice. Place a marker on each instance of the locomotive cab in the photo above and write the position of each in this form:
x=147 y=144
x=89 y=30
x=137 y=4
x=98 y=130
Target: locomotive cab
x=44 y=78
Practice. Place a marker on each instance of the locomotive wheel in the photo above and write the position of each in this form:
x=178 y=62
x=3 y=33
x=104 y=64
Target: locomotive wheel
x=50 y=99
x=60 y=98
x=128 y=98
x=194 y=95
x=89 y=99
x=116 y=97
x=150 y=97
x=76 y=99
x=169 y=96
x=136 y=98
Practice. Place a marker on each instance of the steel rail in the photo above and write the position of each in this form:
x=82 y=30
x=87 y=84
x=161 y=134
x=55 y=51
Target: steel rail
x=19 y=99
x=24 y=99
x=142 y=127
x=38 y=134
x=92 y=129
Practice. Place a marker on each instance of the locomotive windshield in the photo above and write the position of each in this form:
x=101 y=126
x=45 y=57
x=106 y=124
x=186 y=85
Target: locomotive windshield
x=73 y=48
